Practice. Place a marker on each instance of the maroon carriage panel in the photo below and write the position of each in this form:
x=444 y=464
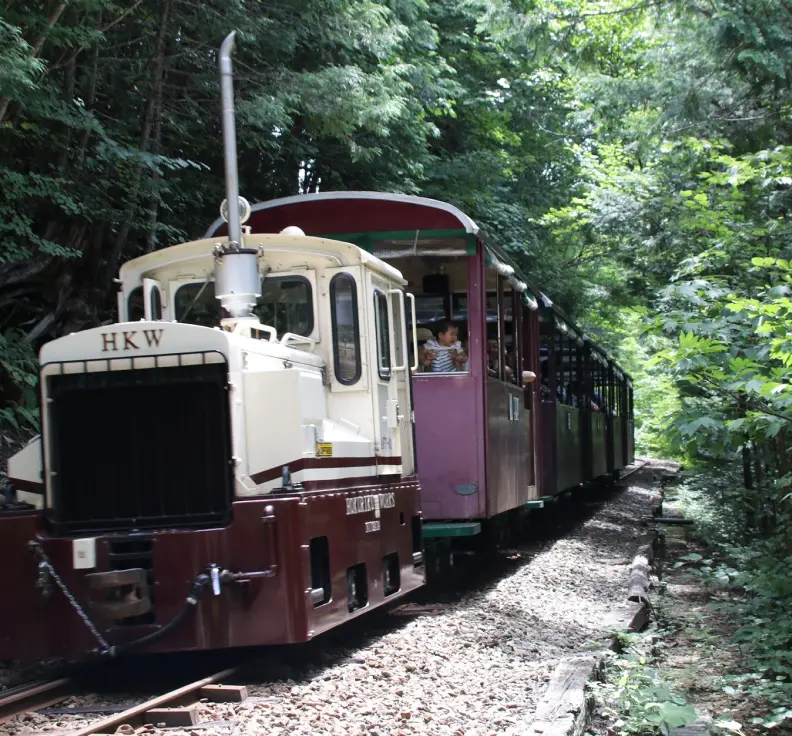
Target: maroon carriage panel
x=450 y=449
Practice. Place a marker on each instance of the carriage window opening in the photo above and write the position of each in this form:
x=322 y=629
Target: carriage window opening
x=558 y=344
x=544 y=365
x=429 y=308
x=572 y=398
x=576 y=373
x=516 y=338
x=156 y=304
x=135 y=311
x=286 y=303
x=195 y=304
x=441 y=294
x=563 y=397
x=600 y=397
x=346 y=331
x=382 y=325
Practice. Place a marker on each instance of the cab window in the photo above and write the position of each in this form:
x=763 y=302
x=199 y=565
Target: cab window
x=195 y=304
x=346 y=331
x=383 y=335
x=286 y=303
x=156 y=304
x=135 y=311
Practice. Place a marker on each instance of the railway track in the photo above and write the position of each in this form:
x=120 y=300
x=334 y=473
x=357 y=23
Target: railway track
x=176 y=707
x=33 y=696
x=632 y=470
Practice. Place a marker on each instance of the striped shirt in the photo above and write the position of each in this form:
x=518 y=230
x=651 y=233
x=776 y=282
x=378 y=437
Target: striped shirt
x=444 y=356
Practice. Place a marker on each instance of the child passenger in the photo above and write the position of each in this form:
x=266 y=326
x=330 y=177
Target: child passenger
x=445 y=353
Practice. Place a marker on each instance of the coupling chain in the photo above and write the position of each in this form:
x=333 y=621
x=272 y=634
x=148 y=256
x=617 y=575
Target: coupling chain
x=45 y=562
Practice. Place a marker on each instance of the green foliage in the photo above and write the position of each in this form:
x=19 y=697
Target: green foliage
x=635 y=698
x=18 y=382
x=755 y=572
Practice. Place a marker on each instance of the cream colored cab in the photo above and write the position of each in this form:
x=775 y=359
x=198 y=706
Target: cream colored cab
x=320 y=372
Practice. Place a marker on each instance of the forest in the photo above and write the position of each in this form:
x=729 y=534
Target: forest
x=635 y=156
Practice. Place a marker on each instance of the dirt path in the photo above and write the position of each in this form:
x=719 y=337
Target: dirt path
x=688 y=647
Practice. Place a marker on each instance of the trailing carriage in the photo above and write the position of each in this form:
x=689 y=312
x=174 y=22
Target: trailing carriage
x=536 y=409
x=236 y=462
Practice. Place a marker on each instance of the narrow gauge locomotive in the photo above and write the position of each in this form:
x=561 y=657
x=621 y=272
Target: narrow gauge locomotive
x=233 y=462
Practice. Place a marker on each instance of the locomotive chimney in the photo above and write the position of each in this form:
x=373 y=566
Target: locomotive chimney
x=237 y=277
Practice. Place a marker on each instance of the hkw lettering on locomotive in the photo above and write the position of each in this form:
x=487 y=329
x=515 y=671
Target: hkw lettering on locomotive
x=110 y=340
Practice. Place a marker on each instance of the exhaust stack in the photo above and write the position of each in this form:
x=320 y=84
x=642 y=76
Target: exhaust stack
x=237 y=277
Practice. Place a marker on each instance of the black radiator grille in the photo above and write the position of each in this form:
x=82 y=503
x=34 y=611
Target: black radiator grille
x=140 y=449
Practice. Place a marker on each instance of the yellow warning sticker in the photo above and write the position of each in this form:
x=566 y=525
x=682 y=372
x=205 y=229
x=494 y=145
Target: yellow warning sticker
x=324 y=449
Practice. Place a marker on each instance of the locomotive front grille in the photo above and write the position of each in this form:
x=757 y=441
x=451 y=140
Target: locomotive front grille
x=139 y=449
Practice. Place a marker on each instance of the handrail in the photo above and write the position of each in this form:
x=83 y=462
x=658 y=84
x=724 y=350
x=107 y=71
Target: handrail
x=297 y=339
x=403 y=315
x=414 y=366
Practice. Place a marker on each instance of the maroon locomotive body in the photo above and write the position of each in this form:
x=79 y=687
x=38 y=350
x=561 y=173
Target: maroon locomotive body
x=277 y=595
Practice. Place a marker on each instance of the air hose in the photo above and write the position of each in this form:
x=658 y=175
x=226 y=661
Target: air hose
x=190 y=602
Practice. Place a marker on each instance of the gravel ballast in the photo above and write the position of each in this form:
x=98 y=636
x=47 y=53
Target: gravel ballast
x=478 y=668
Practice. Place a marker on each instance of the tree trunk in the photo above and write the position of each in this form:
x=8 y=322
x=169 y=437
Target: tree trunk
x=746 y=463
x=90 y=94
x=159 y=76
x=145 y=138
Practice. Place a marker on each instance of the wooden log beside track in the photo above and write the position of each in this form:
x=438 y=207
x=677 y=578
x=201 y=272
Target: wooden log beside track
x=639 y=582
x=563 y=711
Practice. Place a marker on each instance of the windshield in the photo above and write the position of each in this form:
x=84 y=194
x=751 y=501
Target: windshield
x=286 y=303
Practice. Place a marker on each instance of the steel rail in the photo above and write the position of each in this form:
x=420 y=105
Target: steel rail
x=635 y=469
x=135 y=715
x=33 y=697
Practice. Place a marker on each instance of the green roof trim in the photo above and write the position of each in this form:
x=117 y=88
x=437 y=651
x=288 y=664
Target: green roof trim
x=365 y=240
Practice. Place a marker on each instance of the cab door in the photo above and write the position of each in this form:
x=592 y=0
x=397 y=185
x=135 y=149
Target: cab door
x=391 y=377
